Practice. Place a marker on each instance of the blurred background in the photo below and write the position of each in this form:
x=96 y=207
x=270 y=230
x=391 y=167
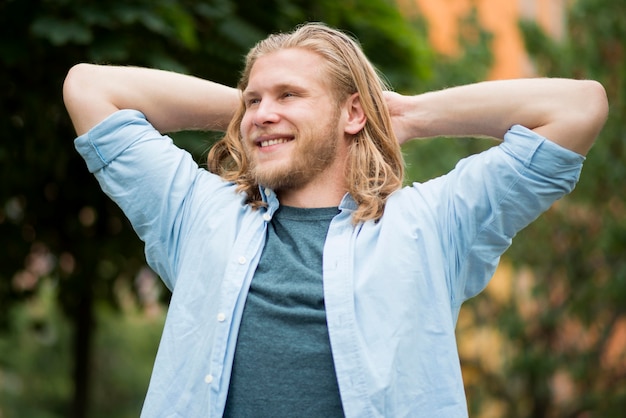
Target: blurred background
x=81 y=314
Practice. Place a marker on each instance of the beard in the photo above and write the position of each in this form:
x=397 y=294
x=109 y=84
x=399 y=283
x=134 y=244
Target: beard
x=314 y=151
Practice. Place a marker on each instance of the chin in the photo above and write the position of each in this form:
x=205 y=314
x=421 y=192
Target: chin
x=272 y=177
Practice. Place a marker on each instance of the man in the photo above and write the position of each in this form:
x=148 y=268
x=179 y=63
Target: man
x=305 y=280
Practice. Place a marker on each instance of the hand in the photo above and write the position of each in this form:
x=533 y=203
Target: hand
x=404 y=126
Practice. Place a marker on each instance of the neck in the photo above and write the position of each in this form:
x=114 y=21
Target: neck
x=325 y=190
x=311 y=197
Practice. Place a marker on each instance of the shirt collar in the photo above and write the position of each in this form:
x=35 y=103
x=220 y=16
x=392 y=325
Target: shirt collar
x=269 y=196
x=348 y=203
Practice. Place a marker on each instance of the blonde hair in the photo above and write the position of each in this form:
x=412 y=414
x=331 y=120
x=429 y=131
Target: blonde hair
x=375 y=167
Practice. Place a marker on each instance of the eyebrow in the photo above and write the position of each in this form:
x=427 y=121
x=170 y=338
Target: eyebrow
x=281 y=86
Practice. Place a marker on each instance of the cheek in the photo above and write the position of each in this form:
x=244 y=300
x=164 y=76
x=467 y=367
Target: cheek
x=245 y=125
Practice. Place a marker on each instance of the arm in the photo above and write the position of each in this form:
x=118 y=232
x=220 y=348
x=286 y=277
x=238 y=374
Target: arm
x=570 y=113
x=170 y=101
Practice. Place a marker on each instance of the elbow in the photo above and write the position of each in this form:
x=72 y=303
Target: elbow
x=75 y=87
x=75 y=82
x=86 y=101
x=591 y=113
x=596 y=107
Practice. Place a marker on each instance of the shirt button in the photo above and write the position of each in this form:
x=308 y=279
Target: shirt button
x=267 y=217
x=208 y=378
x=241 y=259
x=268 y=192
x=221 y=317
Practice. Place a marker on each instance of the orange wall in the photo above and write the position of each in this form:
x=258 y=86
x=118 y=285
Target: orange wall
x=500 y=17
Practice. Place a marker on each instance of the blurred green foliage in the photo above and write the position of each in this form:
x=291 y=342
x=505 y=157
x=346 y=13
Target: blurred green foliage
x=37 y=356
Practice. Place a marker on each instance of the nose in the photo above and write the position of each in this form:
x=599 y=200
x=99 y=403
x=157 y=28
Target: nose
x=266 y=113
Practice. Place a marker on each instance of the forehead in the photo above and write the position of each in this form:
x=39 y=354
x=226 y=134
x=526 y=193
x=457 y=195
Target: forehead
x=293 y=66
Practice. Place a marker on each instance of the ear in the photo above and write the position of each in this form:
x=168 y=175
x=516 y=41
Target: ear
x=356 y=118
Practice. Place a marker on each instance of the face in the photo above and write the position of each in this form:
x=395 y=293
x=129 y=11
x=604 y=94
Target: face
x=291 y=127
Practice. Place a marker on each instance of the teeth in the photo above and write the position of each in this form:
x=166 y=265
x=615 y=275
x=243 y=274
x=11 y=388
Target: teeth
x=273 y=142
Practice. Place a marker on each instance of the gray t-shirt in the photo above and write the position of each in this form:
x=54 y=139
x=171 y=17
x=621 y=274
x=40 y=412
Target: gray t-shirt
x=283 y=364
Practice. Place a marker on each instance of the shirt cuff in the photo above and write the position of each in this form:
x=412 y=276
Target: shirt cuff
x=537 y=151
x=109 y=138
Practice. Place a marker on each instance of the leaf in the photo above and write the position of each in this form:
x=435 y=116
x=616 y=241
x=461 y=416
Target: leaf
x=61 y=32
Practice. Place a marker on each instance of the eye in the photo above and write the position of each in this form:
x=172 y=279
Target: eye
x=252 y=101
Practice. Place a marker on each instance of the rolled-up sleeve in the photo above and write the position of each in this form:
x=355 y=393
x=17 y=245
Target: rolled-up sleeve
x=489 y=197
x=147 y=176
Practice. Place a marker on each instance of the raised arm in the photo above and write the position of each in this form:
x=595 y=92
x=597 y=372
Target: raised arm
x=569 y=112
x=170 y=101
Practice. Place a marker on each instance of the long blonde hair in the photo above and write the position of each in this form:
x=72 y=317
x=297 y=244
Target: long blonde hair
x=375 y=167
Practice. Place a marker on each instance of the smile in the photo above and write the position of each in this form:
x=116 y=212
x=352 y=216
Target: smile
x=275 y=141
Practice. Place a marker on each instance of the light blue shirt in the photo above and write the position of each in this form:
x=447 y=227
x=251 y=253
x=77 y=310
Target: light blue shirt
x=392 y=289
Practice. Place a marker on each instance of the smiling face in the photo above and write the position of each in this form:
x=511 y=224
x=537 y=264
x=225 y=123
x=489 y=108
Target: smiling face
x=294 y=135
x=292 y=126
